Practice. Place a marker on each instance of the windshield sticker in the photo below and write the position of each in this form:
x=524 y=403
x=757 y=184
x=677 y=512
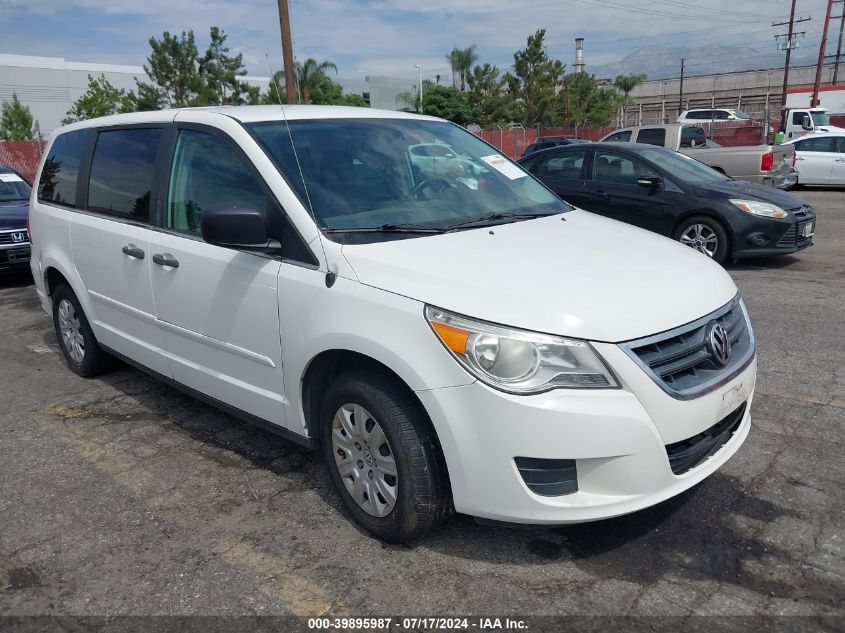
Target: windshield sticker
x=10 y=178
x=504 y=166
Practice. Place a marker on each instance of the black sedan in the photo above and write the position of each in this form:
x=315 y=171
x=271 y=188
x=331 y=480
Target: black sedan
x=545 y=142
x=677 y=196
x=14 y=210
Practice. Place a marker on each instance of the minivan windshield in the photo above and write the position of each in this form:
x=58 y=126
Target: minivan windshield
x=13 y=188
x=682 y=167
x=391 y=175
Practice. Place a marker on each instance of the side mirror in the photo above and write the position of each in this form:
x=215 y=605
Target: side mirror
x=237 y=228
x=652 y=182
x=806 y=123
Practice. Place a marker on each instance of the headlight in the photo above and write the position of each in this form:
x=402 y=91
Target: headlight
x=764 y=209
x=518 y=361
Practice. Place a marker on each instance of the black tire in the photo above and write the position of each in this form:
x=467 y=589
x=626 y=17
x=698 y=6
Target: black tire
x=723 y=244
x=423 y=499
x=94 y=360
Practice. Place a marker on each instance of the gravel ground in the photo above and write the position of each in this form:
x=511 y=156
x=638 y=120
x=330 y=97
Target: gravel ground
x=119 y=495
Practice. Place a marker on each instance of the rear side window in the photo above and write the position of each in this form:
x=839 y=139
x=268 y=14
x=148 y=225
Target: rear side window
x=817 y=144
x=652 y=136
x=58 y=177
x=122 y=173
x=208 y=174
x=619 y=137
x=693 y=137
x=563 y=166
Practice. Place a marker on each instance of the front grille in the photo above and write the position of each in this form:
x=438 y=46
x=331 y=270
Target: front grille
x=689 y=453
x=681 y=362
x=6 y=237
x=548 y=477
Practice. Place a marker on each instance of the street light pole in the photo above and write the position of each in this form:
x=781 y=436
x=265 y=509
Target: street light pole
x=419 y=68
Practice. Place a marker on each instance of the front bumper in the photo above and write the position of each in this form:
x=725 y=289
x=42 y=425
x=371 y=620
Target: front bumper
x=15 y=255
x=617 y=440
x=763 y=237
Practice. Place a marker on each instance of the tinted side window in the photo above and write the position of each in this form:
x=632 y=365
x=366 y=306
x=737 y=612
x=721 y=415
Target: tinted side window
x=58 y=177
x=619 y=170
x=798 y=117
x=122 y=173
x=693 y=137
x=566 y=166
x=824 y=144
x=652 y=136
x=208 y=174
x=619 y=137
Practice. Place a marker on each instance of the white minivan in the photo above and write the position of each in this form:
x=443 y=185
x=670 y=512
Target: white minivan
x=453 y=339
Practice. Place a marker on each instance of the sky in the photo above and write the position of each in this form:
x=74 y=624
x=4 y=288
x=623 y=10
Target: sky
x=389 y=37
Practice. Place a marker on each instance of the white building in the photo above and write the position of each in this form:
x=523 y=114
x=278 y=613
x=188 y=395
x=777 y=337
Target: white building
x=50 y=85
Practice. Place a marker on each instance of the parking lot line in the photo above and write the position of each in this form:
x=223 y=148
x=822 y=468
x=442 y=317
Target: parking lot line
x=296 y=593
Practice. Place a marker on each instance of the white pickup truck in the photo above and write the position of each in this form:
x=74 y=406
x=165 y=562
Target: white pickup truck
x=764 y=164
x=797 y=122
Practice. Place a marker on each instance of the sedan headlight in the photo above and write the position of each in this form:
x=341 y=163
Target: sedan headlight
x=519 y=361
x=765 y=209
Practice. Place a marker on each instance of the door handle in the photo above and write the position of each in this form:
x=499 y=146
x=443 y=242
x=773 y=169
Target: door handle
x=133 y=251
x=601 y=194
x=799 y=158
x=165 y=259
x=839 y=160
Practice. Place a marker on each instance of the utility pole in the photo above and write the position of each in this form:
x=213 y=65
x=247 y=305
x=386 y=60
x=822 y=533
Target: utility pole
x=287 y=52
x=681 y=90
x=814 y=101
x=839 y=45
x=790 y=42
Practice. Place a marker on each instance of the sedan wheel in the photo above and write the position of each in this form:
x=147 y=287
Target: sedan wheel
x=702 y=238
x=364 y=460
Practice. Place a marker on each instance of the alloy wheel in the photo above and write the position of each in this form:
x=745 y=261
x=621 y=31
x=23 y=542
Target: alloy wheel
x=365 y=460
x=702 y=238
x=71 y=331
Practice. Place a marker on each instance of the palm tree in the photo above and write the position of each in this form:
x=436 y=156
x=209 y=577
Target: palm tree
x=626 y=83
x=461 y=61
x=310 y=75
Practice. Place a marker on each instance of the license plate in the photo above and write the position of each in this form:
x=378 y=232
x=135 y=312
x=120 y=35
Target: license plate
x=808 y=230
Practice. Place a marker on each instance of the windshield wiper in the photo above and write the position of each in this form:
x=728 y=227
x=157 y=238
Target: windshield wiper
x=493 y=218
x=389 y=228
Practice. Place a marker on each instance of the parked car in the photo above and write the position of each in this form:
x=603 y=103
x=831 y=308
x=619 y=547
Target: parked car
x=798 y=122
x=712 y=114
x=545 y=142
x=674 y=195
x=447 y=346
x=14 y=207
x=820 y=159
x=761 y=164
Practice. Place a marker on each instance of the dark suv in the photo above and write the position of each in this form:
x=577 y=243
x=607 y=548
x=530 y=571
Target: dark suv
x=545 y=142
x=14 y=210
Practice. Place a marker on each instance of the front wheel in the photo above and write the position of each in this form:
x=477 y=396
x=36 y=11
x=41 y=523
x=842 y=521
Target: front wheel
x=383 y=457
x=705 y=235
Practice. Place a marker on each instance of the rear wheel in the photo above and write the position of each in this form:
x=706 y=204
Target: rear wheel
x=383 y=457
x=705 y=235
x=79 y=346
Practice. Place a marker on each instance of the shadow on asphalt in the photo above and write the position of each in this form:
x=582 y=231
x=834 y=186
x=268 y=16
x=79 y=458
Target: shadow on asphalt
x=764 y=263
x=15 y=278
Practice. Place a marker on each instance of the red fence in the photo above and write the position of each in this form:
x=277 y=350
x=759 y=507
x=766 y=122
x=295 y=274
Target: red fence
x=22 y=156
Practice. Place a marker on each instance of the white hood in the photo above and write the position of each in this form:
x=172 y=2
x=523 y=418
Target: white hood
x=587 y=277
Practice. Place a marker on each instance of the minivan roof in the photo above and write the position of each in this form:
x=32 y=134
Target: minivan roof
x=251 y=114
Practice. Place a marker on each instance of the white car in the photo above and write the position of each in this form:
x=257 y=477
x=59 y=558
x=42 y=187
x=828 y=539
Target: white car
x=486 y=349
x=712 y=114
x=820 y=159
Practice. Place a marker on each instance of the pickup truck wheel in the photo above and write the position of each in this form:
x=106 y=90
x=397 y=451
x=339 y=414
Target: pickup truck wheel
x=705 y=235
x=79 y=346
x=383 y=457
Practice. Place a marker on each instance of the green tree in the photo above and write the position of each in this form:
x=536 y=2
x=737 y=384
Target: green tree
x=461 y=61
x=411 y=99
x=16 y=122
x=174 y=70
x=535 y=82
x=626 y=83
x=311 y=76
x=487 y=95
x=221 y=73
x=101 y=99
x=584 y=102
x=447 y=103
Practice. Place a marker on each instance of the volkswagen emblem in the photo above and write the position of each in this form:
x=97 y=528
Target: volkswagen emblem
x=18 y=237
x=718 y=343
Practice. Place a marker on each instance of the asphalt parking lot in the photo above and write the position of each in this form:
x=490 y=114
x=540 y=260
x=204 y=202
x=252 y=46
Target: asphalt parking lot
x=119 y=495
